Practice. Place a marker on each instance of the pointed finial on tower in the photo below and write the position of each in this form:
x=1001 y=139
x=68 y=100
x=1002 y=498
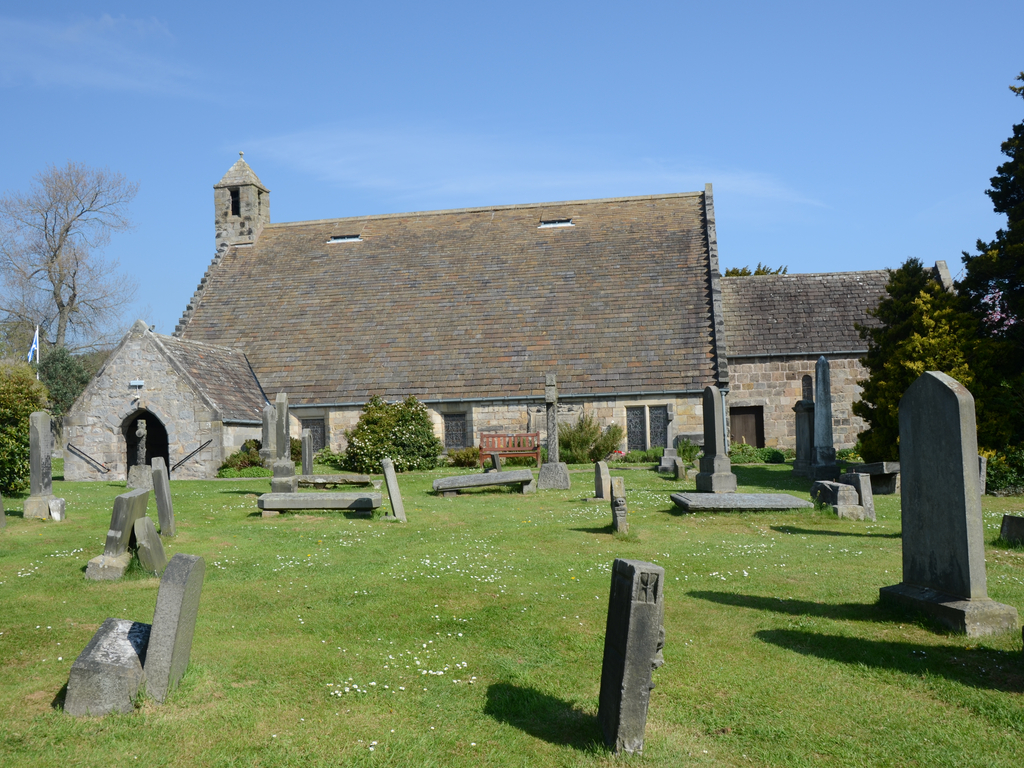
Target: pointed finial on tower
x=241 y=154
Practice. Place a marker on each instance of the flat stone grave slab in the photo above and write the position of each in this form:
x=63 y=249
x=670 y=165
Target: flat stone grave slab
x=452 y=485
x=284 y=502
x=721 y=502
x=107 y=675
x=331 y=481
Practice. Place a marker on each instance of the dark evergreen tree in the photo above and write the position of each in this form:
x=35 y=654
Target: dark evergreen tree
x=65 y=376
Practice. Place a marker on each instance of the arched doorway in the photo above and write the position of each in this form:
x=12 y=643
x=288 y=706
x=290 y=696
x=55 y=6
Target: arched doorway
x=156 y=438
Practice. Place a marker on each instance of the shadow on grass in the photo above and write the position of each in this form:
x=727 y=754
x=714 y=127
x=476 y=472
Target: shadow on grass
x=813 y=532
x=977 y=668
x=608 y=529
x=59 y=699
x=761 y=475
x=543 y=716
x=842 y=611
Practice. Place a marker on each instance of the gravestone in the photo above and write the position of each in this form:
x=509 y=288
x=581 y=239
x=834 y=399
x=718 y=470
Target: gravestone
x=618 y=492
x=40 y=440
x=553 y=473
x=128 y=507
x=823 y=464
x=602 y=481
x=269 y=435
x=162 y=494
x=107 y=675
x=394 y=494
x=307 y=452
x=865 y=496
x=450 y=486
x=804 y=410
x=715 y=474
x=1012 y=529
x=943 y=533
x=140 y=474
x=679 y=469
x=668 y=460
x=284 y=479
x=174 y=624
x=149 y=548
x=982 y=473
x=843 y=498
x=885 y=476
x=633 y=641
x=728 y=502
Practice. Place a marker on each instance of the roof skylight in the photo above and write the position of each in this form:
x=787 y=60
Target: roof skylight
x=345 y=239
x=552 y=223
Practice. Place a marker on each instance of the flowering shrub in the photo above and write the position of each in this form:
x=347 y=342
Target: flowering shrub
x=584 y=441
x=399 y=431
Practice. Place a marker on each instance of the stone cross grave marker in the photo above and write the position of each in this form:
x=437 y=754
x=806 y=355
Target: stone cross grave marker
x=394 y=494
x=41 y=503
x=553 y=473
x=633 y=641
x=284 y=479
x=715 y=474
x=618 y=493
x=943 y=534
x=140 y=474
x=162 y=494
x=174 y=624
x=823 y=465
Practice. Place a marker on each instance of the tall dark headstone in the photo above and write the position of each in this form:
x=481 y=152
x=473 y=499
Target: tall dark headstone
x=268 y=436
x=307 y=452
x=41 y=498
x=715 y=474
x=162 y=494
x=394 y=494
x=553 y=473
x=284 y=479
x=823 y=464
x=174 y=624
x=943 y=535
x=804 y=410
x=633 y=639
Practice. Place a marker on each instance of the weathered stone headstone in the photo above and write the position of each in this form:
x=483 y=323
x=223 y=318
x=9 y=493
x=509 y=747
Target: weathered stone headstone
x=553 y=473
x=162 y=494
x=841 y=497
x=715 y=474
x=602 y=481
x=823 y=465
x=804 y=410
x=1012 y=529
x=450 y=486
x=982 y=473
x=885 y=476
x=140 y=474
x=307 y=452
x=174 y=623
x=667 y=460
x=394 y=494
x=149 y=547
x=865 y=497
x=284 y=479
x=58 y=508
x=269 y=435
x=40 y=440
x=618 y=492
x=633 y=641
x=943 y=534
x=128 y=507
x=107 y=675
x=679 y=469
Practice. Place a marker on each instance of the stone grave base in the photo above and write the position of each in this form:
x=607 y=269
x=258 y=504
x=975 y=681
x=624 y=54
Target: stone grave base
x=717 y=482
x=709 y=502
x=140 y=477
x=974 y=618
x=554 y=476
x=107 y=675
x=38 y=507
x=108 y=567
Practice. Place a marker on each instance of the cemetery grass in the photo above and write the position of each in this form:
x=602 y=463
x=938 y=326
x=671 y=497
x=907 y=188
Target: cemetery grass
x=321 y=638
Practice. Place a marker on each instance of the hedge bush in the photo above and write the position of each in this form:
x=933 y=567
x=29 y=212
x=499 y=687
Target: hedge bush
x=20 y=395
x=246 y=457
x=584 y=442
x=742 y=453
x=401 y=431
x=464 y=457
x=1005 y=474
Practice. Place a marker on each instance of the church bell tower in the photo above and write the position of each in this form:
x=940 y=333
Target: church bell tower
x=241 y=207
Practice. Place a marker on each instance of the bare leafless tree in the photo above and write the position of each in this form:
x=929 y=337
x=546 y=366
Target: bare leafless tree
x=52 y=273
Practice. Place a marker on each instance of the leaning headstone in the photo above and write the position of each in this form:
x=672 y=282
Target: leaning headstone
x=40 y=440
x=804 y=410
x=554 y=473
x=107 y=675
x=841 y=497
x=618 y=491
x=284 y=479
x=58 y=509
x=865 y=496
x=116 y=557
x=633 y=641
x=174 y=623
x=602 y=481
x=823 y=464
x=715 y=474
x=307 y=452
x=149 y=547
x=162 y=494
x=394 y=494
x=943 y=532
x=1012 y=529
x=269 y=435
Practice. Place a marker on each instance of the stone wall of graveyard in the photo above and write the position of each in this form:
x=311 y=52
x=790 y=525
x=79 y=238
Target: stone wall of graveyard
x=775 y=384
x=95 y=422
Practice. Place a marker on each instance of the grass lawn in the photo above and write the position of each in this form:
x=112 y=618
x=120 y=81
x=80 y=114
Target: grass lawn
x=473 y=634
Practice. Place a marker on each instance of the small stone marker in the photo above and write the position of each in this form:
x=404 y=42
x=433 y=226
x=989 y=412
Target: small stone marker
x=128 y=507
x=554 y=474
x=174 y=623
x=943 y=532
x=1012 y=529
x=149 y=547
x=107 y=675
x=865 y=497
x=618 y=491
x=715 y=474
x=269 y=435
x=58 y=508
x=823 y=465
x=679 y=469
x=284 y=479
x=804 y=410
x=162 y=494
x=140 y=474
x=633 y=641
x=602 y=481
x=394 y=494
x=841 y=497
x=307 y=452
x=40 y=440
x=667 y=459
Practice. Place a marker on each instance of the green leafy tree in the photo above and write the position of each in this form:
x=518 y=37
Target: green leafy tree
x=760 y=269
x=20 y=395
x=399 y=431
x=584 y=441
x=65 y=377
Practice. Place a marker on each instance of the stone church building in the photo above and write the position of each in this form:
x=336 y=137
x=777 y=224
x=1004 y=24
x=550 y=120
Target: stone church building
x=468 y=310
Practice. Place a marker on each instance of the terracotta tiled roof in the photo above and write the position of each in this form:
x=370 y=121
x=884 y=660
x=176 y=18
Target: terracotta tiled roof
x=222 y=375
x=472 y=303
x=795 y=314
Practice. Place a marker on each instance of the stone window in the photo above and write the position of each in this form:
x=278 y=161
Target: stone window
x=317 y=432
x=236 y=202
x=746 y=425
x=454 y=430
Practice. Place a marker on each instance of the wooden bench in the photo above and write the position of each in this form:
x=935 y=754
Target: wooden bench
x=497 y=446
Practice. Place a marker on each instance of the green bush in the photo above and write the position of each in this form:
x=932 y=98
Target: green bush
x=643 y=457
x=246 y=457
x=247 y=472
x=464 y=457
x=850 y=455
x=401 y=431
x=295 y=454
x=742 y=453
x=20 y=395
x=687 y=450
x=584 y=442
x=329 y=458
x=1005 y=473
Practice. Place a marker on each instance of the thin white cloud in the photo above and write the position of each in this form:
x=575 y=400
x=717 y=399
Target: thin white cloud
x=438 y=168
x=107 y=53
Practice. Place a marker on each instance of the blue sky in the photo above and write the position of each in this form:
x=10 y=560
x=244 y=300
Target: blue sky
x=835 y=138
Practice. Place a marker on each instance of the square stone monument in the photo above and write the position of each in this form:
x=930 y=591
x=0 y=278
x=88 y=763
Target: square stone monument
x=633 y=640
x=823 y=463
x=41 y=499
x=554 y=473
x=943 y=535
x=715 y=474
x=284 y=479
